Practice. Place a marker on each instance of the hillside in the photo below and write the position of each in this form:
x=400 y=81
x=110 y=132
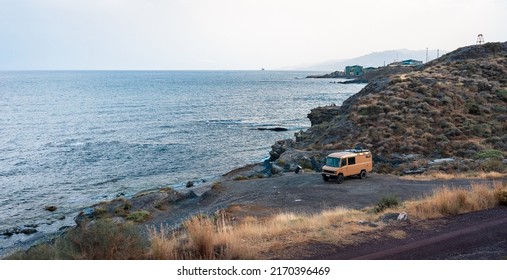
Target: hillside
x=375 y=59
x=455 y=106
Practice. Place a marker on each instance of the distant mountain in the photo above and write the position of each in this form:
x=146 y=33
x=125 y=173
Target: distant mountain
x=375 y=59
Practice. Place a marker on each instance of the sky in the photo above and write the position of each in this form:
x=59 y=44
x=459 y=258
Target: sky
x=232 y=34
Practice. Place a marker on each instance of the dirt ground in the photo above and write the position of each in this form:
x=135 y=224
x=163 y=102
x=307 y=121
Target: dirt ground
x=301 y=193
x=473 y=236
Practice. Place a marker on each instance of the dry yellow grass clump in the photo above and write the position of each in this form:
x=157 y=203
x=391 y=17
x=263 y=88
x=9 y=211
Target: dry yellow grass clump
x=217 y=238
x=449 y=176
x=451 y=201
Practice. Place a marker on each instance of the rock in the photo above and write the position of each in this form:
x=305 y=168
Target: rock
x=389 y=217
x=50 y=208
x=190 y=184
x=440 y=161
x=28 y=231
x=61 y=217
x=402 y=216
x=323 y=114
x=190 y=194
x=8 y=232
x=31 y=225
x=89 y=212
x=64 y=228
x=273 y=128
x=86 y=214
x=275 y=169
x=414 y=171
x=279 y=148
x=364 y=223
x=18 y=230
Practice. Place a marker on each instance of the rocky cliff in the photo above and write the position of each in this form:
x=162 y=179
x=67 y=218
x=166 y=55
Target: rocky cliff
x=454 y=107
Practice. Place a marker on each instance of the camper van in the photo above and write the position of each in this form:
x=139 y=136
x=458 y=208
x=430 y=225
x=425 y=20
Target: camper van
x=347 y=163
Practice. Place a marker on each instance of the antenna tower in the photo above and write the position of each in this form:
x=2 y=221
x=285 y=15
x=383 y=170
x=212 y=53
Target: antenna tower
x=480 y=39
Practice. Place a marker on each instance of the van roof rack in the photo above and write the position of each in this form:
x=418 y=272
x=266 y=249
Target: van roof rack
x=357 y=150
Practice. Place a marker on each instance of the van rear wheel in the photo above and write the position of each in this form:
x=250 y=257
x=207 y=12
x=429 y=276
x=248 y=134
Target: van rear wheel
x=340 y=179
x=362 y=175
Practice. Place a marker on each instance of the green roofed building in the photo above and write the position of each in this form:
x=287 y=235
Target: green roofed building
x=354 y=70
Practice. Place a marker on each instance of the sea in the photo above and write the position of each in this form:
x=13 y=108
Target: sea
x=74 y=138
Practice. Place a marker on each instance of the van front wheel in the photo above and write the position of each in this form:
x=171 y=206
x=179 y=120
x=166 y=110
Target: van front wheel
x=362 y=175
x=340 y=179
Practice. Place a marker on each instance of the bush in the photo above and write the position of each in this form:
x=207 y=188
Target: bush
x=139 y=216
x=385 y=202
x=100 y=240
x=489 y=154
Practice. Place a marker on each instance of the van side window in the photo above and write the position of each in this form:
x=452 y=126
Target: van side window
x=352 y=160
x=344 y=161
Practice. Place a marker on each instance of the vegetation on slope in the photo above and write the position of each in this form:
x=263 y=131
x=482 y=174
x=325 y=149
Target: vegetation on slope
x=455 y=106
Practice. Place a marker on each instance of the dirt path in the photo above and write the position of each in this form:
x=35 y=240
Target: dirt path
x=473 y=236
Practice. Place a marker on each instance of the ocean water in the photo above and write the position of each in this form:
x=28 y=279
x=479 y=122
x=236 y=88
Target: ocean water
x=74 y=138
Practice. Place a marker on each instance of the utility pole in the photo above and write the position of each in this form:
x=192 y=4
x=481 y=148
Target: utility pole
x=438 y=53
x=426 y=55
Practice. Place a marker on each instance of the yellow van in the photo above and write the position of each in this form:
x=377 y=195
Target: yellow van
x=347 y=163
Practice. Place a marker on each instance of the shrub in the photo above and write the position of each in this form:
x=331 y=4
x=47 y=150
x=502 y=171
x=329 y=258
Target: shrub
x=371 y=110
x=139 y=216
x=489 y=154
x=217 y=186
x=100 y=240
x=385 y=202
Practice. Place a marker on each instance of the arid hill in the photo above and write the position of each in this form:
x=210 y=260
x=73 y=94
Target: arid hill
x=455 y=106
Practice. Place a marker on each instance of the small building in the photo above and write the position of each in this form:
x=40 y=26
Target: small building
x=408 y=62
x=354 y=70
x=411 y=62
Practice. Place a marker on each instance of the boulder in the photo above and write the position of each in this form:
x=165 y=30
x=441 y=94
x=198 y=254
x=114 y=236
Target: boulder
x=190 y=184
x=323 y=114
x=279 y=148
x=402 y=216
x=50 y=208
x=273 y=128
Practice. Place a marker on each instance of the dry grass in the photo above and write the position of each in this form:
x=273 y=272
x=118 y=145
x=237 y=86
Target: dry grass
x=218 y=238
x=449 y=176
x=398 y=234
x=205 y=237
x=451 y=201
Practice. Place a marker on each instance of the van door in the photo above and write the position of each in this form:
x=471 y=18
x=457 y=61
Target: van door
x=351 y=166
x=344 y=167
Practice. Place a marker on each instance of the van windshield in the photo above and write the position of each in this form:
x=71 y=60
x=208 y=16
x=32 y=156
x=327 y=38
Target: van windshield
x=333 y=162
